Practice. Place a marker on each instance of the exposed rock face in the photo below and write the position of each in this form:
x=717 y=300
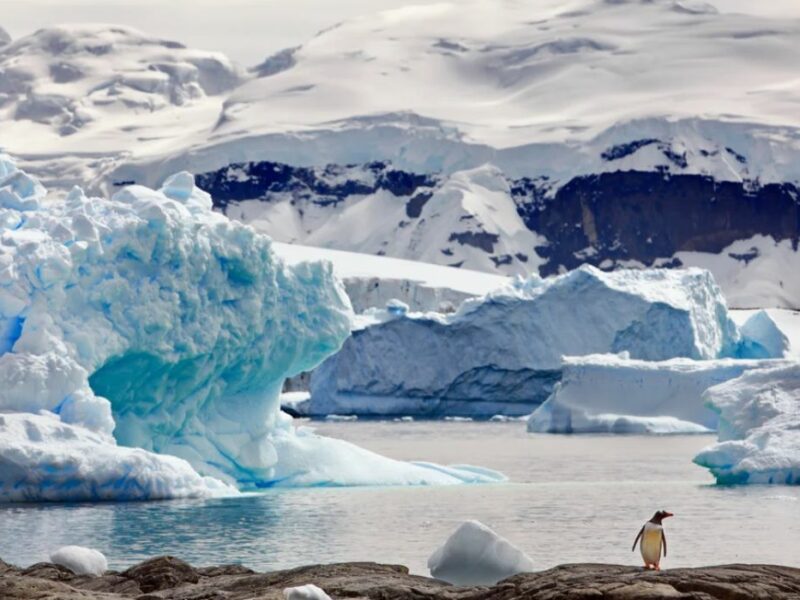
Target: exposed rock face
x=646 y=216
x=607 y=220
x=322 y=186
x=169 y=578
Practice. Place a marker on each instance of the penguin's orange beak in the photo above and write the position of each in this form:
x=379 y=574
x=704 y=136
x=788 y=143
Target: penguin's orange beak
x=668 y=514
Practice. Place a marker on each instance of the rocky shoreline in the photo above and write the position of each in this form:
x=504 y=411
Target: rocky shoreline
x=168 y=578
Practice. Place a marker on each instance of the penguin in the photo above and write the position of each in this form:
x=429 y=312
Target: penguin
x=653 y=540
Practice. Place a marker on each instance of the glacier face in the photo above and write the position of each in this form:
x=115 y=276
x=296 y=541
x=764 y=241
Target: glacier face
x=501 y=354
x=615 y=394
x=151 y=316
x=759 y=428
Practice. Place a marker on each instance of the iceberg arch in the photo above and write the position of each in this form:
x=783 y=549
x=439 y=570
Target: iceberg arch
x=149 y=320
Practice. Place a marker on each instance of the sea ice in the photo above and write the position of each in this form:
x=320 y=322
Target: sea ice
x=80 y=560
x=759 y=428
x=476 y=555
x=501 y=354
x=615 y=394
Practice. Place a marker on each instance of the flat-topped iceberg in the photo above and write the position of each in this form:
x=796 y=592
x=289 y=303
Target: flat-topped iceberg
x=501 y=354
x=615 y=394
x=153 y=318
x=759 y=428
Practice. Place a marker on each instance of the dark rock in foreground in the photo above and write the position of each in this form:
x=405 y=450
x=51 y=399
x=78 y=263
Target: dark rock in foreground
x=170 y=578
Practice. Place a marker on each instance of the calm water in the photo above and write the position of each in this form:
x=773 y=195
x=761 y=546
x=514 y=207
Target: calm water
x=571 y=499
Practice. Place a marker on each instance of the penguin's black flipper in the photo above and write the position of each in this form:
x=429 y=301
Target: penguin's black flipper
x=641 y=531
x=664 y=541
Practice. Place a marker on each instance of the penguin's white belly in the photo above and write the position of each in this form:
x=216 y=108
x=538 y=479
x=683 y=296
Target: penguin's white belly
x=651 y=544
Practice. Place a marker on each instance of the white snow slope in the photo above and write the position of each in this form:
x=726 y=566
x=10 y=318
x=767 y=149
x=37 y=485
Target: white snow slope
x=537 y=88
x=541 y=88
x=470 y=205
x=152 y=317
x=544 y=86
x=759 y=428
x=372 y=281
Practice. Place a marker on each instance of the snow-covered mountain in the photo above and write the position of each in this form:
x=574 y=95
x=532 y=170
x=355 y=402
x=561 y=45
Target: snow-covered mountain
x=510 y=137
x=77 y=99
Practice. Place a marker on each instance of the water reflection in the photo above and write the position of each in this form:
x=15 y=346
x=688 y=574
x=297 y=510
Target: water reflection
x=571 y=499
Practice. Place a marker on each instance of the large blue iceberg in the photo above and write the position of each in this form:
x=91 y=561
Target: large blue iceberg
x=149 y=321
x=502 y=354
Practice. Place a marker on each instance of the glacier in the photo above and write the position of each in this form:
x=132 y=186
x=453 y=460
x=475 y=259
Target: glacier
x=759 y=428
x=616 y=394
x=502 y=353
x=148 y=322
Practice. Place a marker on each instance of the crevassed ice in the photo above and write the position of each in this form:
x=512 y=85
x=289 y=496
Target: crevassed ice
x=150 y=316
x=759 y=428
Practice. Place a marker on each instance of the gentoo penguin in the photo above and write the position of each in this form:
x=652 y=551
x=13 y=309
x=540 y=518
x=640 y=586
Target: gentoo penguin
x=653 y=539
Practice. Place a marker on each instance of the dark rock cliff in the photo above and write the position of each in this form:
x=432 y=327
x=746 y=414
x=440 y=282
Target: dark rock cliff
x=646 y=216
x=597 y=219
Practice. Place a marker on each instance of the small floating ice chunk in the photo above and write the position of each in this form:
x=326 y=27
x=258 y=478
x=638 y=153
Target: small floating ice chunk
x=80 y=560
x=305 y=592
x=179 y=186
x=762 y=338
x=507 y=419
x=397 y=307
x=341 y=418
x=476 y=555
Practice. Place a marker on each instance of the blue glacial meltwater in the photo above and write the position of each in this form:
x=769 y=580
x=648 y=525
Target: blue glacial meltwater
x=570 y=499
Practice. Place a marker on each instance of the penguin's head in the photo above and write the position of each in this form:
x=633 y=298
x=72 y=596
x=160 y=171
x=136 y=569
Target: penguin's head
x=660 y=516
